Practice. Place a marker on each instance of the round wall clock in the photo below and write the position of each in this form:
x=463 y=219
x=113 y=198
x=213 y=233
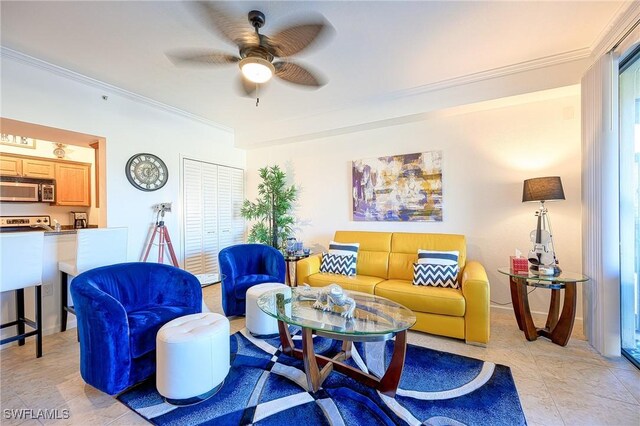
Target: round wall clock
x=146 y=172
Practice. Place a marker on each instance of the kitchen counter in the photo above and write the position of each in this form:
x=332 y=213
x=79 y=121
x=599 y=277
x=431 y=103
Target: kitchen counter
x=66 y=230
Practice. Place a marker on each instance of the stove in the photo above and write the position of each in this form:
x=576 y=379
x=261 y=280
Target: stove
x=23 y=223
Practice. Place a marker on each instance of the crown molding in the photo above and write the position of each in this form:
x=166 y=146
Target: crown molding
x=620 y=24
x=534 y=64
x=6 y=53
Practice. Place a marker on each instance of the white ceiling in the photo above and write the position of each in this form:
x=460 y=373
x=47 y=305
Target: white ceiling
x=378 y=49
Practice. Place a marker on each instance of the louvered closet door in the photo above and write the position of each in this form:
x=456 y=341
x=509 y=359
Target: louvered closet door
x=237 y=198
x=193 y=218
x=225 y=207
x=210 y=218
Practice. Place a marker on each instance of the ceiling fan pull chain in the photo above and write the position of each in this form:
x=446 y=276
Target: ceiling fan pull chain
x=257 y=95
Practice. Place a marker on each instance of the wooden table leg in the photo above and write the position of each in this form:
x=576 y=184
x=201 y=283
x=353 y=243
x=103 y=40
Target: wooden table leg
x=391 y=379
x=285 y=338
x=554 y=310
x=562 y=331
x=315 y=376
x=513 y=285
x=529 y=327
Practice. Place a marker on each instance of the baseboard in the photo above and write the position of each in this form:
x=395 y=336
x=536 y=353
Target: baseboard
x=510 y=309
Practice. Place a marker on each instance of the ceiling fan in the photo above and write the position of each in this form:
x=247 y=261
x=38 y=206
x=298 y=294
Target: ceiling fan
x=260 y=57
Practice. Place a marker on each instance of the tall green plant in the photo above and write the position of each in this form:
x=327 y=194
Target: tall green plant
x=272 y=208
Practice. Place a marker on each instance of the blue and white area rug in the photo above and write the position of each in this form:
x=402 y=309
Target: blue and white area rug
x=266 y=387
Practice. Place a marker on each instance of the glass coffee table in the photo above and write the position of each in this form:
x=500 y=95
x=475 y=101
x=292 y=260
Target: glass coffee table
x=375 y=319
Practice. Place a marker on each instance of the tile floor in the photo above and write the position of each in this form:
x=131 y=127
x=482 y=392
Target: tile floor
x=571 y=386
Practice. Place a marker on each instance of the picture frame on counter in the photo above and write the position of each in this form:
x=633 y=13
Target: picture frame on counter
x=19 y=141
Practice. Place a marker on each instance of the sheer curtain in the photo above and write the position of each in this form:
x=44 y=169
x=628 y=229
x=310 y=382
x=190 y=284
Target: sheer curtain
x=600 y=206
x=600 y=193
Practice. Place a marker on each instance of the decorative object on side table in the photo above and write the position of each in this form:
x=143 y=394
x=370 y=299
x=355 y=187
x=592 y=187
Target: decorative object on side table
x=559 y=325
x=543 y=257
x=146 y=172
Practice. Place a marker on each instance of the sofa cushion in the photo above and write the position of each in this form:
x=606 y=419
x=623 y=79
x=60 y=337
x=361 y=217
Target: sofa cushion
x=145 y=323
x=434 y=300
x=343 y=249
x=244 y=282
x=373 y=254
x=362 y=283
x=405 y=246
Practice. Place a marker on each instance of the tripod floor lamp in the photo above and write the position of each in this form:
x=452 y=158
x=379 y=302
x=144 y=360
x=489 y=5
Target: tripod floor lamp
x=542 y=256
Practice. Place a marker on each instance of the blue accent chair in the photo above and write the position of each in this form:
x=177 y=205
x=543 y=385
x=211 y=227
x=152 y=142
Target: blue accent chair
x=120 y=308
x=243 y=266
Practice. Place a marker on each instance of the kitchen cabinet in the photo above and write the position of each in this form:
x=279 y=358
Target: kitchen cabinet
x=26 y=166
x=73 y=184
x=38 y=168
x=10 y=166
x=73 y=179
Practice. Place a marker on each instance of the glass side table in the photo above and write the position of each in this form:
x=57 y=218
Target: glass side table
x=559 y=325
x=291 y=261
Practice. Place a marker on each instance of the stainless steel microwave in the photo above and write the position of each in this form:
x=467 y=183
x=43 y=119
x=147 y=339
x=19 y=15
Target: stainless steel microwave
x=27 y=190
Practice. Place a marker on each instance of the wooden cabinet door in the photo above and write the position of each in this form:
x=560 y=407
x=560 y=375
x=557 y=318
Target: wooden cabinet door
x=38 y=168
x=10 y=166
x=73 y=184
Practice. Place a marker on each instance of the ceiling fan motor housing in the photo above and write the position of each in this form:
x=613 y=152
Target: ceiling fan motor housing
x=256 y=18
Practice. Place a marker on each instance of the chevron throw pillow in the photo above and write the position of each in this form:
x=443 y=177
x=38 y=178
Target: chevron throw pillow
x=344 y=249
x=335 y=264
x=435 y=275
x=438 y=257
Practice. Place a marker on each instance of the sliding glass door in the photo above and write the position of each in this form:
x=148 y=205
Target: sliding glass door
x=630 y=206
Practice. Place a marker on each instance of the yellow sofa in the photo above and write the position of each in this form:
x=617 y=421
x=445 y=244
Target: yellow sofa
x=385 y=268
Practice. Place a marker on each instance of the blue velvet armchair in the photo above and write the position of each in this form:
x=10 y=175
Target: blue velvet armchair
x=243 y=266
x=120 y=308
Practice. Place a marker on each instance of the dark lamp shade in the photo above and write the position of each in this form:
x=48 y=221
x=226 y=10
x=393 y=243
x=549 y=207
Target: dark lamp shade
x=542 y=189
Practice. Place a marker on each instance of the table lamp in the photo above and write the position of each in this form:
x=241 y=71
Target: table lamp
x=543 y=257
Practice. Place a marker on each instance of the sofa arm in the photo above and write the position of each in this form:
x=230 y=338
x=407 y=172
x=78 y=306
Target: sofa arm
x=306 y=267
x=103 y=330
x=476 y=292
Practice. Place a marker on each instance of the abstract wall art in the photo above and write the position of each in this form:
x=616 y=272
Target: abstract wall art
x=398 y=188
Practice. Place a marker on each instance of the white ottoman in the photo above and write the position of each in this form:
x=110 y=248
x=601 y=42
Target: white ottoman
x=258 y=323
x=193 y=356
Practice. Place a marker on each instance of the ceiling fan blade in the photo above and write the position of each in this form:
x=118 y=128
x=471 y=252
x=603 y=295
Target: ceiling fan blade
x=296 y=38
x=236 y=31
x=201 y=57
x=246 y=87
x=296 y=74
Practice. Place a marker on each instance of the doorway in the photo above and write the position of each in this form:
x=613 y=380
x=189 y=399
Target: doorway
x=630 y=206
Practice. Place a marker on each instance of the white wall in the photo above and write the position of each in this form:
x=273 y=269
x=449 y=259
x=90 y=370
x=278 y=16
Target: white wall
x=44 y=149
x=36 y=95
x=489 y=149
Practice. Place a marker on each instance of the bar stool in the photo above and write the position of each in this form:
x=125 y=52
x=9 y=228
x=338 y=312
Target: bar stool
x=94 y=247
x=22 y=258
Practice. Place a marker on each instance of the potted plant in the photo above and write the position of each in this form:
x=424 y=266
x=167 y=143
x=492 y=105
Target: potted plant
x=271 y=210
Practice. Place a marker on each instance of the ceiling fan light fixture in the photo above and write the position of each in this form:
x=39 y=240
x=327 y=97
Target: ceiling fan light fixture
x=257 y=70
